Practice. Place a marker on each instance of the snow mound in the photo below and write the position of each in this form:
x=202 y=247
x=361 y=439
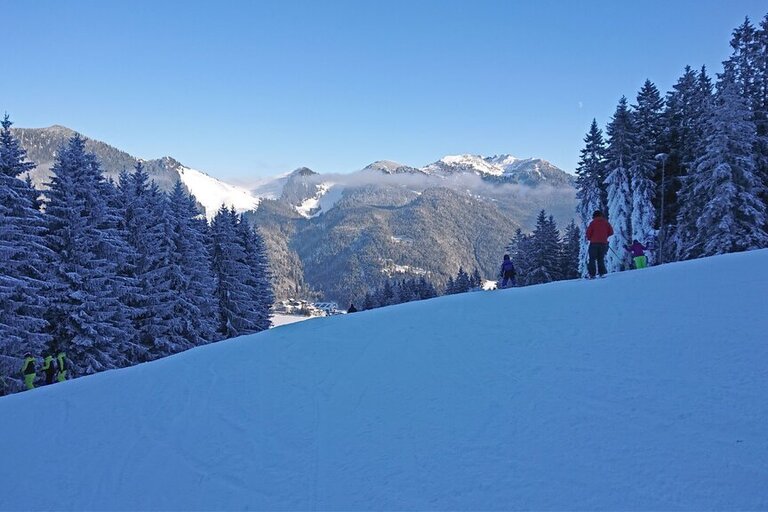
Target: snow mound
x=645 y=390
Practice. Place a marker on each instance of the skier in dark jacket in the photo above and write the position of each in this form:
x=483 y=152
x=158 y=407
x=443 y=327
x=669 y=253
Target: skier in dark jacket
x=49 y=368
x=598 y=232
x=638 y=254
x=352 y=308
x=507 y=272
x=29 y=371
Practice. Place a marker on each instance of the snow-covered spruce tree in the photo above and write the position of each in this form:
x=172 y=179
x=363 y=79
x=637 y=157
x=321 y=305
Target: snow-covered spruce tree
x=461 y=283
x=760 y=103
x=570 y=252
x=426 y=289
x=175 y=303
x=476 y=280
x=368 y=301
x=687 y=201
x=195 y=308
x=404 y=292
x=621 y=142
x=731 y=215
x=160 y=330
x=647 y=121
x=520 y=252
x=258 y=277
x=24 y=261
x=545 y=251
x=590 y=185
x=749 y=66
x=386 y=294
x=241 y=302
x=86 y=315
x=146 y=224
x=450 y=286
x=680 y=142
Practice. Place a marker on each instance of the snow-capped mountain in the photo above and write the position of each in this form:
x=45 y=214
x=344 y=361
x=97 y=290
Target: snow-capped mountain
x=452 y=164
x=501 y=168
x=390 y=167
x=510 y=399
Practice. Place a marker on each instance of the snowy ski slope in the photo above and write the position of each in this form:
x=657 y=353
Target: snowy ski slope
x=645 y=390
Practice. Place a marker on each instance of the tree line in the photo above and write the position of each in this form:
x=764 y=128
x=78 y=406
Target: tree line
x=398 y=291
x=686 y=173
x=115 y=274
x=545 y=255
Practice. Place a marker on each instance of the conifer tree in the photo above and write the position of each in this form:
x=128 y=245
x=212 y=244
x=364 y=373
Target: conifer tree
x=193 y=283
x=87 y=316
x=477 y=280
x=622 y=141
x=148 y=232
x=748 y=65
x=241 y=302
x=570 y=252
x=368 y=301
x=647 y=121
x=688 y=202
x=450 y=286
x=257 y=277
x=760 y=102
x=387 y=294
x=24 y=261
x=461 y=283
x=545 y=251
x=520 y=252
x=426 y=289
x=402 y=292
x=680 y=141
x=731 y=214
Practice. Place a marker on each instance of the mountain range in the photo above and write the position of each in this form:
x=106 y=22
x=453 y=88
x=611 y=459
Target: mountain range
x=338 y=235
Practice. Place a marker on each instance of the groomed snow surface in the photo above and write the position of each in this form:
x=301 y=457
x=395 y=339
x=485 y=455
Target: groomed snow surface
x=645 y=390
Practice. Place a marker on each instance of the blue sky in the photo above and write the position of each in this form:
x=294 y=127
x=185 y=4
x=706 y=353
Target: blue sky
x=248 y=89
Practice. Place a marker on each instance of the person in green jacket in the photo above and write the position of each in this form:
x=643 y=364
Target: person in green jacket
x=29 y=371
x=61 y=359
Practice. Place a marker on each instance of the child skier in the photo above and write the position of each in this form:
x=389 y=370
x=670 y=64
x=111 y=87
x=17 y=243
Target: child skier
x=638 y=254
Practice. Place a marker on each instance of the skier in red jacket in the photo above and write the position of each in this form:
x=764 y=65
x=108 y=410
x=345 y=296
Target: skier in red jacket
x=598 y=232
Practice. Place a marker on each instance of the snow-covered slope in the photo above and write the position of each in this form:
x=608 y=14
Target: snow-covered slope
x=212 y=193
x=326 y=196
x=645 y=390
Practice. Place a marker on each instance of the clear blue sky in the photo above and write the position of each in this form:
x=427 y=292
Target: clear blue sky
x=255 y=88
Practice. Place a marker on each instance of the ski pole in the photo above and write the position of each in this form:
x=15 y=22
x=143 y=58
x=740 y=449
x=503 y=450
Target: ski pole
x=619 y=257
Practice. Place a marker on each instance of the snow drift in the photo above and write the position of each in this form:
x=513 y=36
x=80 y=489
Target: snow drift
x=645 y=390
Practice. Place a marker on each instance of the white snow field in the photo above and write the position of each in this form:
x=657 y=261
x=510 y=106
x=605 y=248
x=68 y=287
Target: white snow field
x=645 y=390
